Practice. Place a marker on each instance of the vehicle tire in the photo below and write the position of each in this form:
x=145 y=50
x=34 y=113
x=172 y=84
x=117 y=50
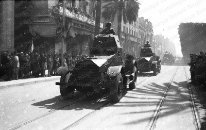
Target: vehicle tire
x=64 y=89
x=125 y=82
x=117 y=89
x=159 y=69
x=155 y=71
x=132 y=86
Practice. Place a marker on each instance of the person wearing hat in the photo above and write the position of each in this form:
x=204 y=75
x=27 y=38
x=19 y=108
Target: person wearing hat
x=108 y=29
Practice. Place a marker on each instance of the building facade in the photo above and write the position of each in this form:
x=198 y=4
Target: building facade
x=41 y=26
x=46 y=25
x=38 y=23
x=6 y=26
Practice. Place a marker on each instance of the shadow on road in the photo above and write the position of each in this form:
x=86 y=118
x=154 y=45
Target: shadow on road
x=176 y=101
x=57 y=103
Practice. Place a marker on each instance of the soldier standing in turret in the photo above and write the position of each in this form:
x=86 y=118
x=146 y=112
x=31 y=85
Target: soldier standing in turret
x=108 y=29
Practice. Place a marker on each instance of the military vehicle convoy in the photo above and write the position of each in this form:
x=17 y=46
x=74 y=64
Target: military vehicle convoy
x=148 y=61
x=107 y=68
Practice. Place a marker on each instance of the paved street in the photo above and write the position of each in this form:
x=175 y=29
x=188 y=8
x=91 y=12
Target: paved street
x=159 y=102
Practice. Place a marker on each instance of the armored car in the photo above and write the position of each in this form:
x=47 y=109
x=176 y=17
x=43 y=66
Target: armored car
x=148 y=61
x=107 y=68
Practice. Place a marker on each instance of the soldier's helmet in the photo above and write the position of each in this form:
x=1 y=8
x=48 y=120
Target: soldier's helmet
x=147 y=44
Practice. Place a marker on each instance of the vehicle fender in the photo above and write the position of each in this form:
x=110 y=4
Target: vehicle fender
x=61 y=71
x=113 y=71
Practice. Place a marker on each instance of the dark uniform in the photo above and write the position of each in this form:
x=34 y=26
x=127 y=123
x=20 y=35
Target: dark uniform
x=108 y=29
x=192 y=64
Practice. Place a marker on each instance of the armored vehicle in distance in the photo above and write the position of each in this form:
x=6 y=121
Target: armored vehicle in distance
x=168 y=59
x=105 y=69
x=148 y=61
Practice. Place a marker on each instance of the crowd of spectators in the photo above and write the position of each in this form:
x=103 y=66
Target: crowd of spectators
x=198 y=68
x=25 y=65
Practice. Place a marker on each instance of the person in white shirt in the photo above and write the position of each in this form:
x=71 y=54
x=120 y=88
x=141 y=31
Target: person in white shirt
x=15 y=65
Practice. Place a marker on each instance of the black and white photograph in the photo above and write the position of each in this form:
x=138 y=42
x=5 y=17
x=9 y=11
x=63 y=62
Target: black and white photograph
x=102 y=64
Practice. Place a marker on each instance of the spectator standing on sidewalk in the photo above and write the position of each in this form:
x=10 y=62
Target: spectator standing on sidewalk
x=56 y=64
x=42 y=64
x=49 y=64
x=10 y=67
x=21 y=64
x=36 y=65
x=6 y=66
x=28 y=64
x=15 y=66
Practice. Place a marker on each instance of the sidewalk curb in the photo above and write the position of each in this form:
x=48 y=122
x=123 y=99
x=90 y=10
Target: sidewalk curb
x=37 y=80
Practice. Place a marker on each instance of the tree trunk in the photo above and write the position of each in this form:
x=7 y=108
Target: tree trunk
x=98 y=17
x=120 y=13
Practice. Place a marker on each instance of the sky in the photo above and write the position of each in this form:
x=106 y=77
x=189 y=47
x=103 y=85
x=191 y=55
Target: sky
x=166 y=15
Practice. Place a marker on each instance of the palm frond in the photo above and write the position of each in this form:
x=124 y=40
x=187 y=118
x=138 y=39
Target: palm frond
x=109 y=10
x=132 y=9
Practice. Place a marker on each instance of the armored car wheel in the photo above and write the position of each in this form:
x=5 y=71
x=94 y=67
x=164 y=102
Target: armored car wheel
x=159 y=69
x=117 y=89
x=65 y=90
x=132 y=86
x=155 y=71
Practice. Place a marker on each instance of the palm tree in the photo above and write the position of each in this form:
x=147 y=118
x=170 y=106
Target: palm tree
x=124 y=9
x=98 y=16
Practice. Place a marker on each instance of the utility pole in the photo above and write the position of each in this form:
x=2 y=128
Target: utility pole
x=98 y=17
x=63 y=35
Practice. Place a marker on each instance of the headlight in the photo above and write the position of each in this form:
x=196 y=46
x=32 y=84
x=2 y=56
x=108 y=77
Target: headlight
x=154 y=62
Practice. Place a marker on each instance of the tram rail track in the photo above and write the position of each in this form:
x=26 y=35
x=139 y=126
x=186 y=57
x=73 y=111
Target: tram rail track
x=193 y=106
x=155 y=116
x=75 y=123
